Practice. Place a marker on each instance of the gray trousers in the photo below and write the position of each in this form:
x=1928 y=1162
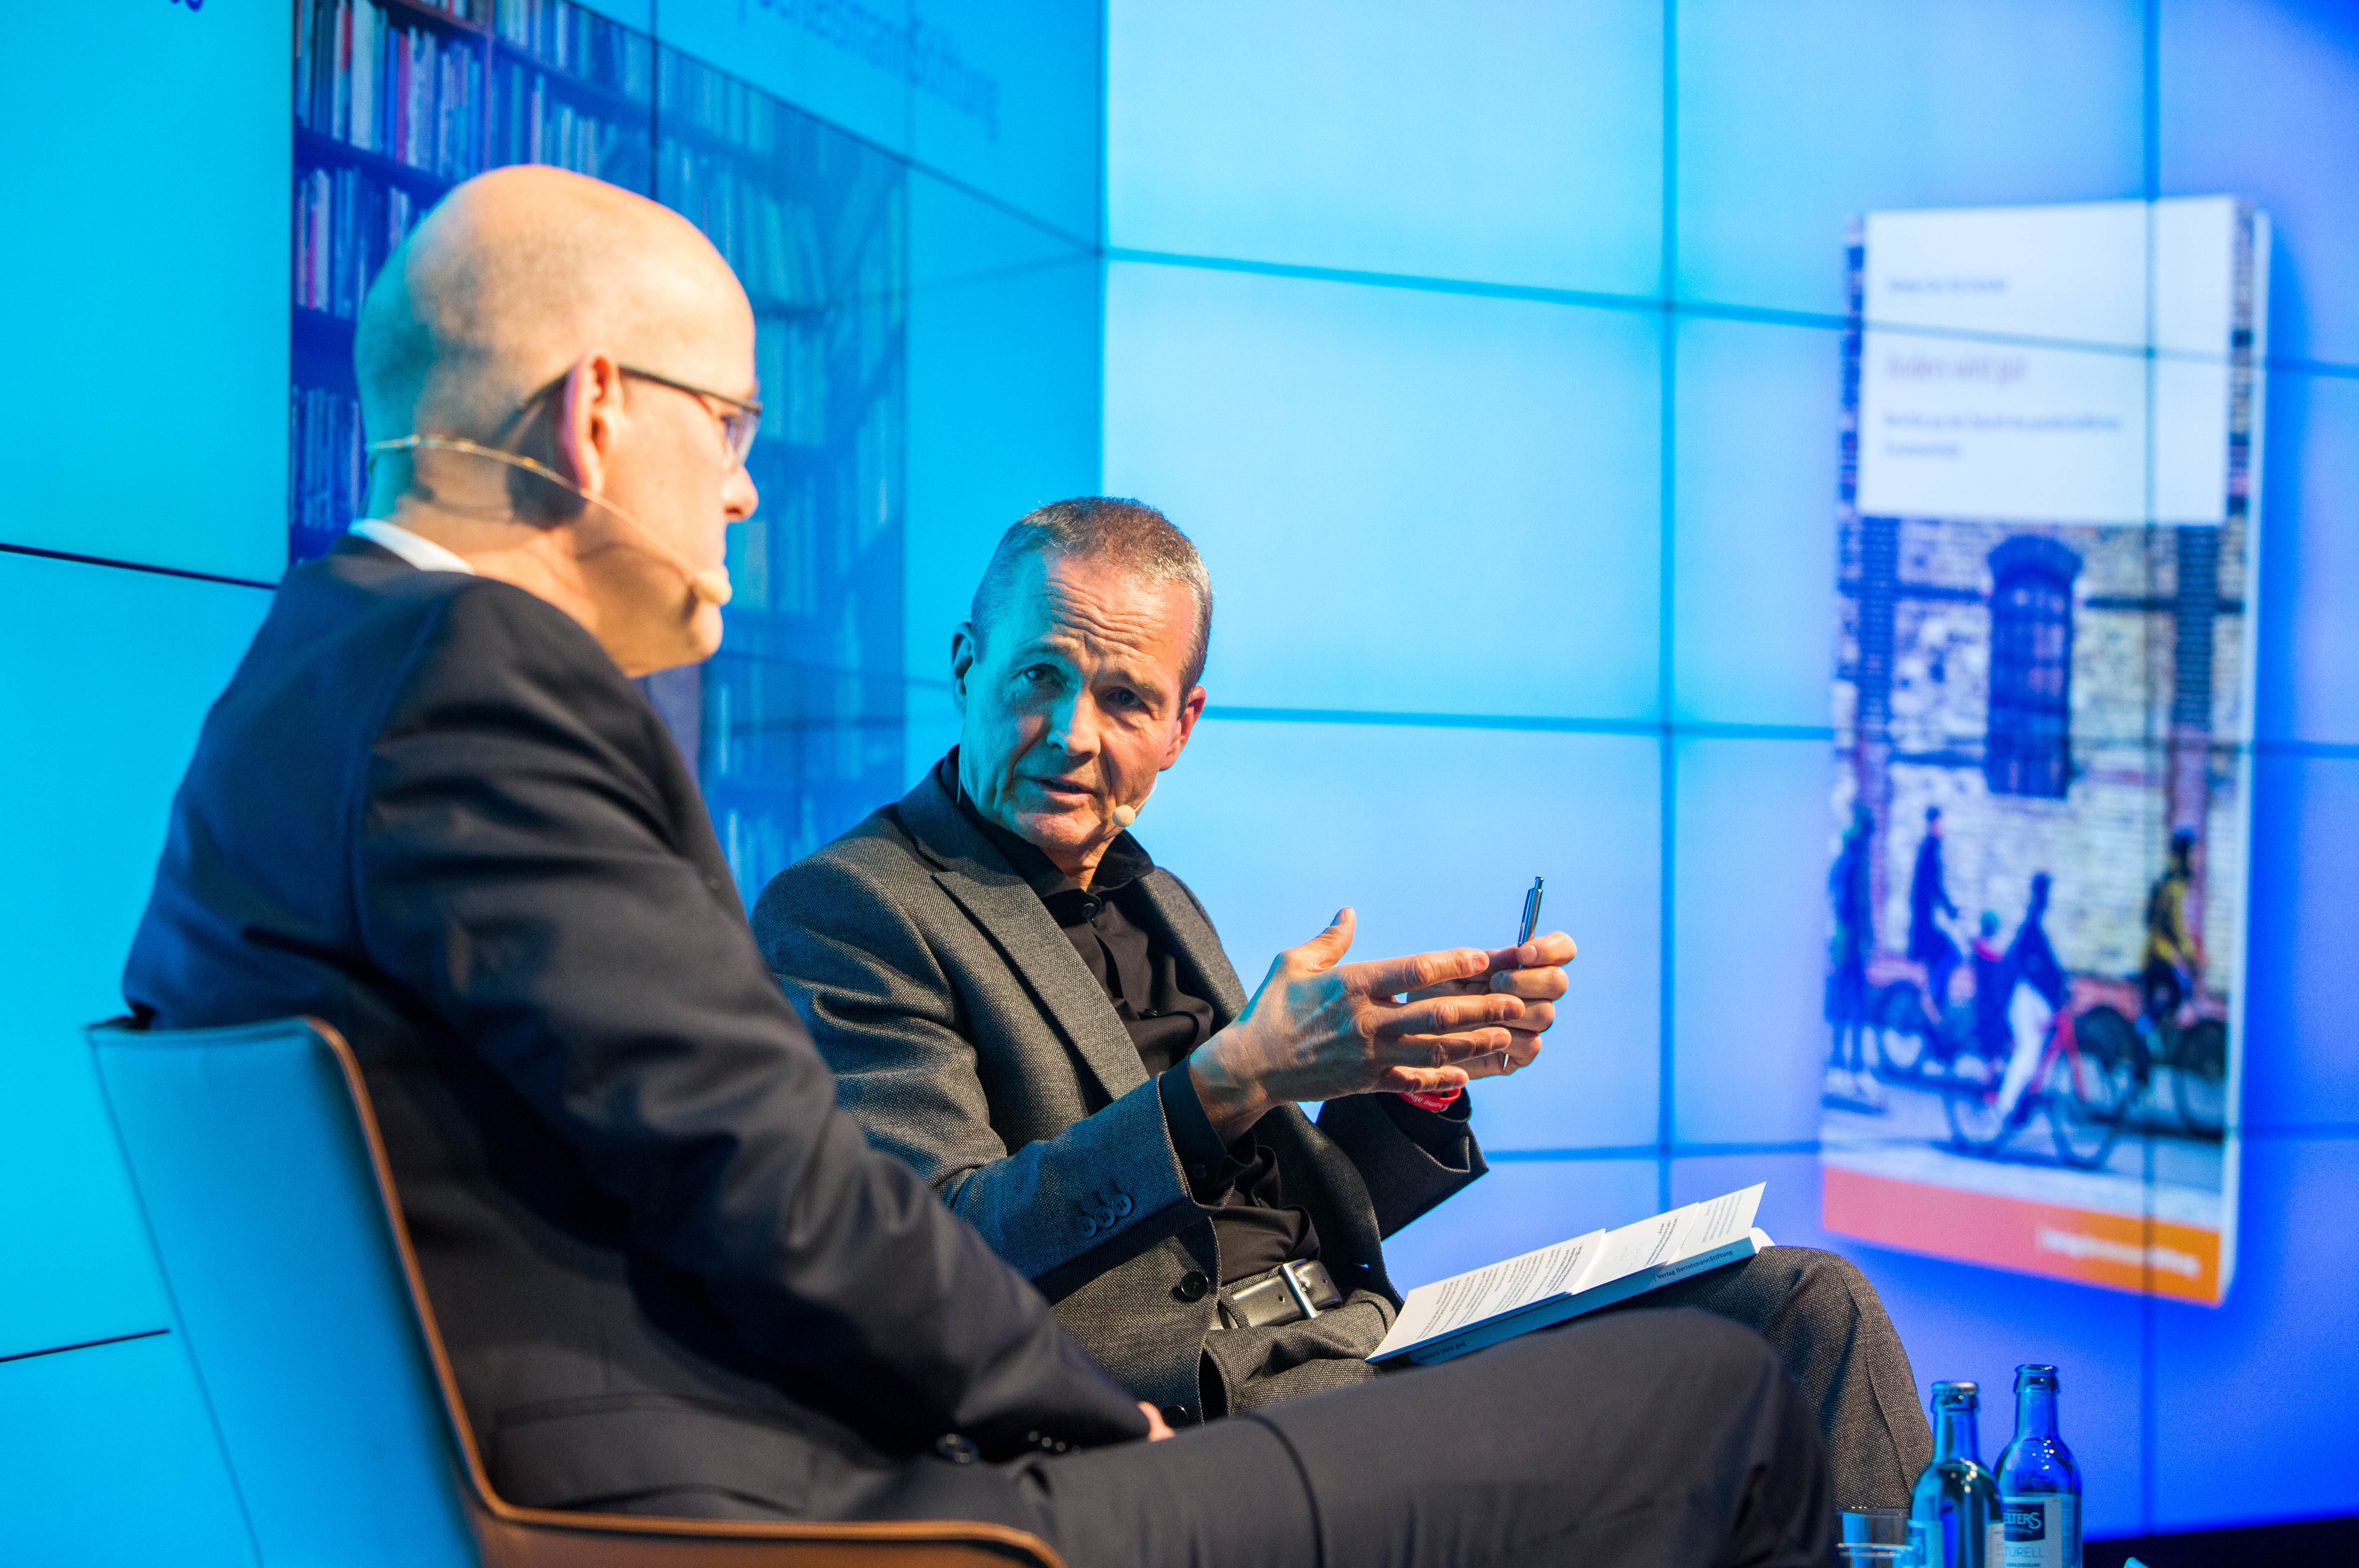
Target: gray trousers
x=1815 y=1308
x=1828 y=1327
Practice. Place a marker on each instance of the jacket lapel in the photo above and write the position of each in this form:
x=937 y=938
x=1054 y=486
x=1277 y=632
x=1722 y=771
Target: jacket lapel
x=978 y=878
x=1197 y=943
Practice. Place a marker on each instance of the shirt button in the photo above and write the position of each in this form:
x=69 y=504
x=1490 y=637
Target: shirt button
x=955 y=1449
x=1193 y=1287
x=1089 y=1226
x=1106 y=1218
x=1175 y=1415
x=1122 y=1206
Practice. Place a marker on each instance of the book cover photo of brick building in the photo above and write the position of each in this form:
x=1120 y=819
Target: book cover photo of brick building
x=2036 y=892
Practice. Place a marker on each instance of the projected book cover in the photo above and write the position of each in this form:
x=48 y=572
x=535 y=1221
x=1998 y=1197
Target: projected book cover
x=2042 y=711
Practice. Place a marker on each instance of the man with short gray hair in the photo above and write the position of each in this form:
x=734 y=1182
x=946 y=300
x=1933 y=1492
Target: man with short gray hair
x=1020 y=1003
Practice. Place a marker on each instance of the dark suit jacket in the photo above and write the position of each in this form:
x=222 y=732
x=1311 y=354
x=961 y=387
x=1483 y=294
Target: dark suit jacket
x=431 y=810
x=969 y=1037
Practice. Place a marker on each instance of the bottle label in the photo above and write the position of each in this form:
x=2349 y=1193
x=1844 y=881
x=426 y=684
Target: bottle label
x=2042 y=1531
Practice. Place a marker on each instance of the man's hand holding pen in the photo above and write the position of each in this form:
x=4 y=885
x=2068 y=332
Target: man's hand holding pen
x=1319 y=1028
x=1419 y=1027
x=1532 y=973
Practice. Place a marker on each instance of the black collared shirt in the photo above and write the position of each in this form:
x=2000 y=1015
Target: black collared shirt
x=1114 y=930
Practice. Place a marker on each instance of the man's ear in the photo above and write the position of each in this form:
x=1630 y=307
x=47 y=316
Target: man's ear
x=585 y=407
x=1191 y=708
x=963 y=649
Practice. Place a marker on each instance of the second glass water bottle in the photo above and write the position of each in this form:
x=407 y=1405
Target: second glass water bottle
x=2039 y=1485
x=1954 y=1517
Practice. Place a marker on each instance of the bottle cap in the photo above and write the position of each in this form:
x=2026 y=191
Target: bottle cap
x=2035 y=1373
x=1955 y=1396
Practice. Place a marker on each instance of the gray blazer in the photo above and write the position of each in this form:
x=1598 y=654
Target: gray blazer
x=968 y=1038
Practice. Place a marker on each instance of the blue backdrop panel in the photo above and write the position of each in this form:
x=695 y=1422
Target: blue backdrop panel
x=638 y=14
x=1791 y=117
x=148 y=193
x=1517 y=145
x=1007 y=103
x=1278 y=825
x=114 y=1449
x=2256 y=100
x=127 y=664
x=1959 y=1321
x=2251 y=1401
x=1755 y=462
x=1003 y=99
x=1750 y=854
x=2310 y=560
x=2301 y=1042
x=1409 y=500
x=1004 y=402
x=1521 y=1205
x=845 y=63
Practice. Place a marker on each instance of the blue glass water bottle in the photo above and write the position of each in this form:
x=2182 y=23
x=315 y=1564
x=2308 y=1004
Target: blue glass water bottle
x=1953 y=1518
x=2039 y=1485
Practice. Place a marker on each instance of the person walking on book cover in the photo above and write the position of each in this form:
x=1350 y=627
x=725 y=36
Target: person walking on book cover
x=1853 y=944
x=1020 y=1002
x=1928 y=899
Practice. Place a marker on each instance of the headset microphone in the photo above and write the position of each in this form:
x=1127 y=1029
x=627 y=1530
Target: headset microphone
x=708 y=586
x=1125 y=815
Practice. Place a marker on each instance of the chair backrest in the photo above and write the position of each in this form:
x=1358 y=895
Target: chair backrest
x=262 y=1184
x=273 y=1215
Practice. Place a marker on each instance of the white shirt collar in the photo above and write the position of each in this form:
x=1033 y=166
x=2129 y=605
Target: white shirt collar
x=415 y=549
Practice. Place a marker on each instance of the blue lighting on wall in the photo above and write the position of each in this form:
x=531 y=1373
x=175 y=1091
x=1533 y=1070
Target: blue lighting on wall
x=1493 y=355
x=1496 y=362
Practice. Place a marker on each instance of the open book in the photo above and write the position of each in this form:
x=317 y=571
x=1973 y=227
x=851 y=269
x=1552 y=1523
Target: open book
x=1467 y=1311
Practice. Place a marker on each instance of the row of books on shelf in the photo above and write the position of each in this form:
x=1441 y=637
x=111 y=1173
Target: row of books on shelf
x=719 y=107
x=773 y=244
x=560 y=33
x=346 y=224
x=538 y=126
x=327 y=471
x=404 y=89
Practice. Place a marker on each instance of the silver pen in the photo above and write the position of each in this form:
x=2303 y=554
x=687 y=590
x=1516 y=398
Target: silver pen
x=1531 y=913
x=1531 y=922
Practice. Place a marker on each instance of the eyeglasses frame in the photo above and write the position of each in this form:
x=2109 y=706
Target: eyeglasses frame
x=747 y=419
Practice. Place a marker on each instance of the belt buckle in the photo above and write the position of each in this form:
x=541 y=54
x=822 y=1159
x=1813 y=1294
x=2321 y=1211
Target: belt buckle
x=1295 y=1287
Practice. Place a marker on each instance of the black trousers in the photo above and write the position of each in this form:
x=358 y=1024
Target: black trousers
x=1667 y=1437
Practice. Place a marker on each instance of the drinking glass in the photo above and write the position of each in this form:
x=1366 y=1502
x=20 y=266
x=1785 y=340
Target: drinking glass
x=1874 y=1538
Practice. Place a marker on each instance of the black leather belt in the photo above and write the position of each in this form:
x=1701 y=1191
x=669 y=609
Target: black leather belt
x=1288 y=1293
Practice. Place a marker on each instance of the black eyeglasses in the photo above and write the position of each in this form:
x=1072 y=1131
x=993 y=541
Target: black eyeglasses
x=738 y=423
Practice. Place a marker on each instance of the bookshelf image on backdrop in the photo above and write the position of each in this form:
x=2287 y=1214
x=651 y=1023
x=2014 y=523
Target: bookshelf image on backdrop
x=807 y=687
x=796 y=725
